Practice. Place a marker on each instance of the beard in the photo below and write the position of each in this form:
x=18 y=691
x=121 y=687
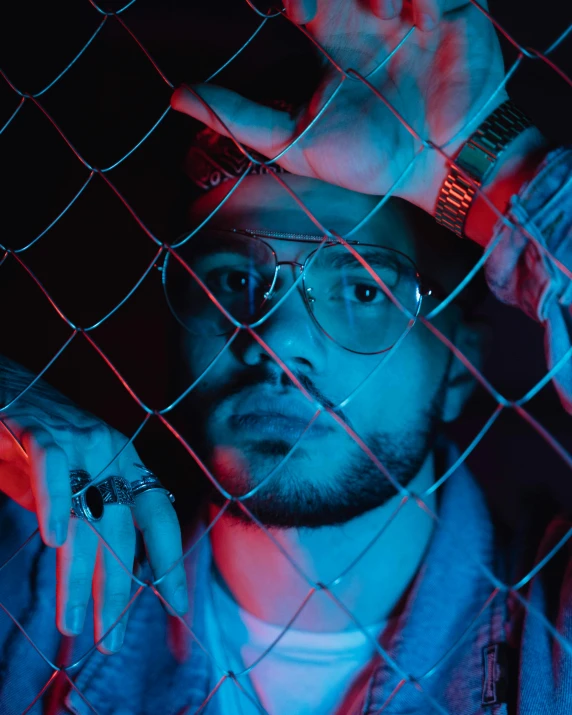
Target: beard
x=299 y=494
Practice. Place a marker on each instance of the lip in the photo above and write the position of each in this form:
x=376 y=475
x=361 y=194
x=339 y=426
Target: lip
x=285 y=415
x=271 y=424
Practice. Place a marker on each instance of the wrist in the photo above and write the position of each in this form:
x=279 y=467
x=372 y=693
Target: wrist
x=514 y=167
x=476 y=163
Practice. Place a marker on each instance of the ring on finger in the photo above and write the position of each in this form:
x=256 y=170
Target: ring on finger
x=116 y=490
x=88 y=505
x=148 y=481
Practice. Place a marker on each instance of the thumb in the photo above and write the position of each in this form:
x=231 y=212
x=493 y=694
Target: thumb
x=301 y=11
x=264 y=129
x=428 y=13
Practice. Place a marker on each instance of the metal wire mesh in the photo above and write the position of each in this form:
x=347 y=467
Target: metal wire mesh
x=161 y=248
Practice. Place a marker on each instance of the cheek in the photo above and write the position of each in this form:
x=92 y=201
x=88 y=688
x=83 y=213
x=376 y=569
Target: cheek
x=198 y=353
x=387 y=389
x=402 y=388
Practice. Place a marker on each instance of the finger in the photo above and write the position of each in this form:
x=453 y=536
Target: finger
x=50 y=485
x=159 y=526
x=112 y=581
x=301 y=11
x=386 y=9
x=15 y=468
x=428 y=13
x=75 y=567
x=262 y=128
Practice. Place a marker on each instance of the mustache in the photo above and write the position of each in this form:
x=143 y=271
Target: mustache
x=260 y=376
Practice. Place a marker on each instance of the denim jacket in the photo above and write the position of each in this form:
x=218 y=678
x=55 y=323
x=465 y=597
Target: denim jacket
x=464 y=643
x=519 y=272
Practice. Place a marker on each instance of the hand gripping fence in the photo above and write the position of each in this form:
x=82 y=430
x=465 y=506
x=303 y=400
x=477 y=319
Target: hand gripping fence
x=76 y=332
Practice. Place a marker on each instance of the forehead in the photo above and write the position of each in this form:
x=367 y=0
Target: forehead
x=260 y=203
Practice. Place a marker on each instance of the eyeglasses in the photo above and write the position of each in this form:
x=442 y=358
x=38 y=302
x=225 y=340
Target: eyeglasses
x=243 y=273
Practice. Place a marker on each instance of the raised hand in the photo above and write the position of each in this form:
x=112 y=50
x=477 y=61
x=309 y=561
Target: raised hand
x=42 y=438
x=437 y=81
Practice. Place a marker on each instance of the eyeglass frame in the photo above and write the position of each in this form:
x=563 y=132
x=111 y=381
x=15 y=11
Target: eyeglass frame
x=425 y=288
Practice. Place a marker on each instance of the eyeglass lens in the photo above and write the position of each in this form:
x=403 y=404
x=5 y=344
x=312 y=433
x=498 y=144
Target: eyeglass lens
x=343 y=297
x=350 y=305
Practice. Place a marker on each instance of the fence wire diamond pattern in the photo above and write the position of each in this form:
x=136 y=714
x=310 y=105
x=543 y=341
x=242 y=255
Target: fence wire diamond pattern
x=161 y=249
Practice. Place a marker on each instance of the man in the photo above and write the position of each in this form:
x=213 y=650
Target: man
x=368 y=588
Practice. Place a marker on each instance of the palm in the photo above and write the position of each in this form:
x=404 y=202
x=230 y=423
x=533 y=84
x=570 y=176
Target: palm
x=436 y=82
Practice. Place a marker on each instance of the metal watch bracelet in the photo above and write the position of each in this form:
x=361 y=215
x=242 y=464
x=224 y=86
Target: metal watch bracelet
x=477 y=158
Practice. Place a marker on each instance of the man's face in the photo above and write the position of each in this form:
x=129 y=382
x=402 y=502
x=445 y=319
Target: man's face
x=251 y=419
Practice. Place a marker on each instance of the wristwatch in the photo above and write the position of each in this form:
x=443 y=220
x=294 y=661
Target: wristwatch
x=477 y=158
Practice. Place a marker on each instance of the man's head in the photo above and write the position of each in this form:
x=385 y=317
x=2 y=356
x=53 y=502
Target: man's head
x=249 y=416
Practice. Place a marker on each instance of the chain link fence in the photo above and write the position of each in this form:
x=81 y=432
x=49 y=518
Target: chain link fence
x=120 y=271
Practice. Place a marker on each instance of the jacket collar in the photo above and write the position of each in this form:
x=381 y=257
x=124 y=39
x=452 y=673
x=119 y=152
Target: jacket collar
x=451 y=613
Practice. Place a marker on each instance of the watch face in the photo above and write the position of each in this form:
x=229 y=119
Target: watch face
x=476 y=162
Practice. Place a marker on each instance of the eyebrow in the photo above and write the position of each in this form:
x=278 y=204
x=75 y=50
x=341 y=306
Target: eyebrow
x=372 y=258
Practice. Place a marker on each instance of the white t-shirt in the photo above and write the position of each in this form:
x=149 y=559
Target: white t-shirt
x=304 y=673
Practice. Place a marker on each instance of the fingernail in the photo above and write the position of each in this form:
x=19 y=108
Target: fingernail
x=114 y=640
x=426 y=22
x=75 y=619
x=181 y=600
x=389 y=9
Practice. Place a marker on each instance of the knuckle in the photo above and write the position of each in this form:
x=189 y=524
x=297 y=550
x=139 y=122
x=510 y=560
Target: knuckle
x=55 y=458
x=163 y=522
x=120 y=536
x=59 y=492
x=162 y=516
x=115 y=602
x=99 y=434
x=79 y=583
x=37 y=441
x=123 y=528
x=58 y=507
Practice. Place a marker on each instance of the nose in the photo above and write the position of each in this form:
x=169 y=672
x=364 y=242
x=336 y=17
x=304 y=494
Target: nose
x=289 y=331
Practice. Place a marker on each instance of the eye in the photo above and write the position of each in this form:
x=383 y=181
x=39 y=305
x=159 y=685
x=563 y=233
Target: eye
x=233 y=281
x=359 y=293
x=365 y=293
x=236 y=281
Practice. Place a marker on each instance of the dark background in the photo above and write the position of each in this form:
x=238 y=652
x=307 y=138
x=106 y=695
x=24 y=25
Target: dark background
x=90 y=259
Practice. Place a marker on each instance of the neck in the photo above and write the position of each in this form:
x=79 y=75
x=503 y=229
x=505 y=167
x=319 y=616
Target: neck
x=366 y=563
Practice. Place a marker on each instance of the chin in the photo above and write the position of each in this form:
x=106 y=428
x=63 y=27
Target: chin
x=238 y=469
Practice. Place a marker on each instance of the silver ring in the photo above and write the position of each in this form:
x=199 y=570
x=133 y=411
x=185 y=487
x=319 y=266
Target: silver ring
x=79 y=479
x=148 y=481
x=89 y=504
x=116 y=490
